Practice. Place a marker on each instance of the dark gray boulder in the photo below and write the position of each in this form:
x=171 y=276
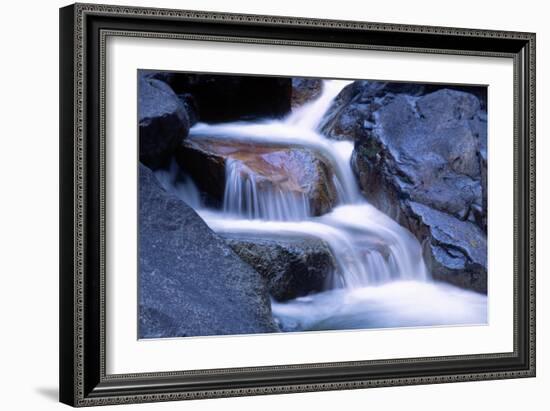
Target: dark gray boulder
x=163 y=122
x=351 y=113
x=222 y=97
x=455 y=251
x=430 y=149
x=191 y=282
x=292 y=267
x=305 y=90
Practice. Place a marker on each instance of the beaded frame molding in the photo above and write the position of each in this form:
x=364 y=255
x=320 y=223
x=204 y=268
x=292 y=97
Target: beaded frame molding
x=83 y=32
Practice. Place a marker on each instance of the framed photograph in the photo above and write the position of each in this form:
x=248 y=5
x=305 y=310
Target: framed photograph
x=259 y=205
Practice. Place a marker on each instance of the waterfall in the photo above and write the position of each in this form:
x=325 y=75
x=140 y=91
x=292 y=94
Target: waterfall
x=282 y=133
x=368 y=247
x=309 y=116
x=373 y=251
x=243 y=196
x=380 y=278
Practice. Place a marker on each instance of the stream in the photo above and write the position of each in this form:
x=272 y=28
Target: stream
x=381 y=279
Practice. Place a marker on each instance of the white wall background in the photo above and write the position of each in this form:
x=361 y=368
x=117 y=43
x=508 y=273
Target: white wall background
x=29 y=204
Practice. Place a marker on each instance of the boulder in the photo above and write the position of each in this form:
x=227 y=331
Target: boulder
x=163 y=122
x=305 y=90
x=206 y=167
x=428 y=152
x=351 y=113
x=222 y=97
x=191 y=283
x=454 y=251
x=420 y=149
x=292 y=267
x=345 y=117
x=282 y=169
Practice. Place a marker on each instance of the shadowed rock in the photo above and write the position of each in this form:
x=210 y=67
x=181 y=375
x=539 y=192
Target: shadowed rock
x=292 y=267
x=221 y=97
x=305 y=90
x=191 y=282
x=163 y=122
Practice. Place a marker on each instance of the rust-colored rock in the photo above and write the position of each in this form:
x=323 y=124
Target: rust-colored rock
x=294 y=170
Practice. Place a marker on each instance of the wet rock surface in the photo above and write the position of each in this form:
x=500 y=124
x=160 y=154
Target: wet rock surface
x=305 y=90
x=292 y=267
x=190 y=281
x=455 y=251
x=291 y=170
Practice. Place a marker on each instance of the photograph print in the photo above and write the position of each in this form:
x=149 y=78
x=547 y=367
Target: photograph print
x=273 y=204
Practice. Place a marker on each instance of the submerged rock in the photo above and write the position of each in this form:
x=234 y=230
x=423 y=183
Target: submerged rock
x=292 y=267
x=163 y=122
x=415 y=148
x=288 y=170
x=305 y=90
x=191 y=282
x=221 y=97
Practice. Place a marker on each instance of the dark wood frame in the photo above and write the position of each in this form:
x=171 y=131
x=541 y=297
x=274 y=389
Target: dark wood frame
x=83 y=30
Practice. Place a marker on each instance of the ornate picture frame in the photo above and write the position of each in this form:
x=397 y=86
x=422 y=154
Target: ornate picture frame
x=84 y=30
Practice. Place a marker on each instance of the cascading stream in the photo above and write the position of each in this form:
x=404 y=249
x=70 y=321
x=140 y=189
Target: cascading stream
x=369 y=248
x=243 y=197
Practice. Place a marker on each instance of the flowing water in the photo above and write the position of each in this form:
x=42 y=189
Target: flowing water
x=380 y=280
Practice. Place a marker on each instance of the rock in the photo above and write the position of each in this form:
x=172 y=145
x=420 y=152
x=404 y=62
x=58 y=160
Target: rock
x=164 y=76
x=163 y=122
x=344 y=120
x=289 y=170
x=191 y=282
x=351 y=113
x=191 y=107
x=206 y=167
x=425 y=149
x=455 y=251
x=221 y=98
x=292 y=267
x=305 y=90
x=428 y=152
